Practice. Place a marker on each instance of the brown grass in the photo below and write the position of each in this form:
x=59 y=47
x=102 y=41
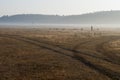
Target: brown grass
x=72 y=55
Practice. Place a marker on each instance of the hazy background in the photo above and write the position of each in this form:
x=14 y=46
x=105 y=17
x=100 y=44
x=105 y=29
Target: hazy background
x=60 y=7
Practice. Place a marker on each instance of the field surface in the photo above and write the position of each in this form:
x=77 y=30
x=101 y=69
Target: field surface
x=59 y=54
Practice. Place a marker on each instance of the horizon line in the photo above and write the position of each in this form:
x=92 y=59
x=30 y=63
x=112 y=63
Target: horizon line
x=58 y=14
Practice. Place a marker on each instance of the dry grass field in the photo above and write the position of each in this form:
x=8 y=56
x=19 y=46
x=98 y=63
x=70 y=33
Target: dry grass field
x=59 y=54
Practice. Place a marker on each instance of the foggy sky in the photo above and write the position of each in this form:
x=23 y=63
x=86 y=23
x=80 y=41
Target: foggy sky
x=60 y=7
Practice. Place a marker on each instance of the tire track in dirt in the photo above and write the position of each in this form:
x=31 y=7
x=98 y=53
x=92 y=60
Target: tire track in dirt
x=64 y=50
x=73 y=50
x=111 y=74
x=99 y=48
x=58 y=48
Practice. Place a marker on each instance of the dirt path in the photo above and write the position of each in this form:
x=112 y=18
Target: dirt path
x=72 y=54
x=98 y=46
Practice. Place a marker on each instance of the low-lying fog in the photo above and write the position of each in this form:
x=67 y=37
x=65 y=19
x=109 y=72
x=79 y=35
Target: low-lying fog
x=84 y=26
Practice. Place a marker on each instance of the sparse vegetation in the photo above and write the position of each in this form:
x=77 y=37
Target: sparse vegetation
x=59 y=54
